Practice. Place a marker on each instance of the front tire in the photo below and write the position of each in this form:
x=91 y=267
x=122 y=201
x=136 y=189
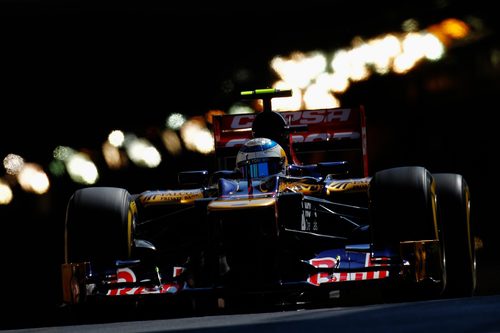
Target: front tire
x=402 y=206
x=403 y=211
x=99 y=225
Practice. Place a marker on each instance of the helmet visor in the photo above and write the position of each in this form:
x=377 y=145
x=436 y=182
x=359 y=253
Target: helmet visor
x=258 y=168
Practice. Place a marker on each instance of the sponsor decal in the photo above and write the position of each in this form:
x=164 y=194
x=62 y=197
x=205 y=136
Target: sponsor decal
x=181 y=196
x=332 y=275
x=309 y=220
x=323 y=125
x=126 y=275
x=243 y=121
x=324 y=136
x=245 y=202
x=350 y=185
x=324 y=277
x=305 y=117
x=299 y=186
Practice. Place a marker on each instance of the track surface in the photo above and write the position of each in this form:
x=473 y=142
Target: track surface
x=476 y=314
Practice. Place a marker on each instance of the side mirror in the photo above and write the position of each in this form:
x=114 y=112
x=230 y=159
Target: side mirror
x=193 y=178
x=227 y=174
x=338 y=169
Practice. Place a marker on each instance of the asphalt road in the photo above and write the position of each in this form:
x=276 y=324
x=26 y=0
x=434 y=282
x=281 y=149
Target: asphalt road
x=475 y=314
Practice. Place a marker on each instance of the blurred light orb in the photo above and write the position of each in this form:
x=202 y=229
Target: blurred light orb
x=6 y=195
x=63 y=153
x=116 y=138
x=112 y=155
x=172 y=142
x=81 y=169
x=32 y=178
x=239 y=108
x=13 y=164
x=57 y=168
x=197 y=137
x=143 y=153
x=175 y=121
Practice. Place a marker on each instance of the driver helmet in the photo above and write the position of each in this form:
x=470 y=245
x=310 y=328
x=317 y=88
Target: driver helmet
x=261 y=157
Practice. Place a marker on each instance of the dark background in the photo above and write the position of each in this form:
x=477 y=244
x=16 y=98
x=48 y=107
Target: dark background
x=71 y=71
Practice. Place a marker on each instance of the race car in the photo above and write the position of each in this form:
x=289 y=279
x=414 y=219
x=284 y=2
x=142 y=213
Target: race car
x=290 y=216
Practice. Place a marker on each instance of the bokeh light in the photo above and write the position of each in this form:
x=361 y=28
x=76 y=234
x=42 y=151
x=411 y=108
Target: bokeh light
x=6 y=194
x=32 y=178
x=116 y=138
x=316 y=84
x=13 y=164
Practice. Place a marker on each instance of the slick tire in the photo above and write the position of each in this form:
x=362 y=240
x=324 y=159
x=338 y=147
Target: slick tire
x=453 y=199
x=99 y=225
x=402 y=206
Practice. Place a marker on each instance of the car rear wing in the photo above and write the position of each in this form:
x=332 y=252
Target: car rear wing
x=334 y=134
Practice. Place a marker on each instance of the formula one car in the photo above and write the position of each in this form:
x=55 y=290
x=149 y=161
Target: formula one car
x=291 y=216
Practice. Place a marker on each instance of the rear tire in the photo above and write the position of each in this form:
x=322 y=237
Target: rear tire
x=99 y=225
x=458 y=237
